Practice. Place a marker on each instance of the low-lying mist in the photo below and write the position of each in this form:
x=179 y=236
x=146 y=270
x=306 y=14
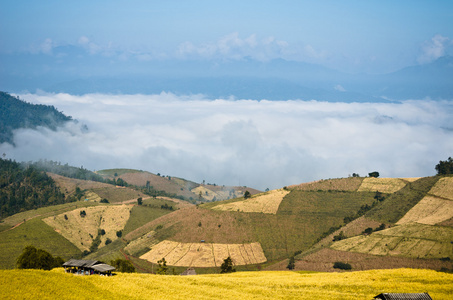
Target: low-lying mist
x=262 y=144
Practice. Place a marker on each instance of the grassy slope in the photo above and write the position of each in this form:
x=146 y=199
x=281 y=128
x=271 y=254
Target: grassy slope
x=33 y=232
x=398 y=204
x=33 y=284
x=301 y=218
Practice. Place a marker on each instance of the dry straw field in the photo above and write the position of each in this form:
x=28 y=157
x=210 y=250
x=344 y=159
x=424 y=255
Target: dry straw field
x=205 y=254
x=430 y=210
x=443 y=188
x=410 y=240
x=55 y=284
x=383 y=185
x=81 y=230
x=267 y=203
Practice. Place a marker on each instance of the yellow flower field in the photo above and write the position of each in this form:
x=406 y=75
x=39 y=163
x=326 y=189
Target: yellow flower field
x=55 y=284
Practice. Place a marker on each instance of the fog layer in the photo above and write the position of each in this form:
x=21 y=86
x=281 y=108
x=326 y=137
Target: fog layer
x=262 y=144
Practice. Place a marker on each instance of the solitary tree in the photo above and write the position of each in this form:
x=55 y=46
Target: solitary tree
x=291 y=263
x=374 y=174
x=139 y=201
x=162 y=267
x=227 y=266
x=247 y=195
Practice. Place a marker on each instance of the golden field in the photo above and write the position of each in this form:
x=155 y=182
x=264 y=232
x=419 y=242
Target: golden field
x=55 y=284
x=383 y=185
x=267 y=203
x=82 y=230
x=205 y=254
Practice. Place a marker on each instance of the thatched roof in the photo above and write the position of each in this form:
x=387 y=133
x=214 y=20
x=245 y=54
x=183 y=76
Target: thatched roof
x=405 y=296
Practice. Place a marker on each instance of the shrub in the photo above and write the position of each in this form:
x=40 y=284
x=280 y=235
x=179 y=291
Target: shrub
x=33 y=258
x=123 y=265
x=119 y=233
x=108 y=241
x=342 y=265
x=104 y=201
x=83 y=213
x=227 y=266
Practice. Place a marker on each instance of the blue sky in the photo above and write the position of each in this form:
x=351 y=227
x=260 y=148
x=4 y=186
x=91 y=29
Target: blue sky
x=352 y=36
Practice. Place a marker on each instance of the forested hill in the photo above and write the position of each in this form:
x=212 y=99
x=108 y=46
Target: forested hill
x=16 y=113
x=24 y=187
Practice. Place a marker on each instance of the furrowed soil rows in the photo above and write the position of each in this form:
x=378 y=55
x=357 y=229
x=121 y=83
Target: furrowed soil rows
x=204 y=254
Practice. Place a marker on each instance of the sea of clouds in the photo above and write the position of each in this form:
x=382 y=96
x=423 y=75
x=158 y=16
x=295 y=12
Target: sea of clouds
x=262 y=144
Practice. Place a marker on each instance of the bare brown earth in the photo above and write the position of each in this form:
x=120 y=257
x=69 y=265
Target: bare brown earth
x=190 y=225
x=101 y=190
x=323 y=260
x=68 y=185
x=168 y=184
x=339 y=184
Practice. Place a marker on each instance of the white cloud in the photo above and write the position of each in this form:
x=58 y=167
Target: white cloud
x=433 y=49
x=232 y=46
x=256 y=143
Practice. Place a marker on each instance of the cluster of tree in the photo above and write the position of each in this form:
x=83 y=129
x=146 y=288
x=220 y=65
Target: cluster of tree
x=123 y=265
x=379 y=197
x=16 y=113
x=67 y=171
x=445 y=167
x=33 y=258
x=25 y=188
x=166 y=206
x=370 y=230
x=342 y=266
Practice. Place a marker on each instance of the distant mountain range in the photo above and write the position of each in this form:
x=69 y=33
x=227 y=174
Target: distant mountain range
x=73 y=71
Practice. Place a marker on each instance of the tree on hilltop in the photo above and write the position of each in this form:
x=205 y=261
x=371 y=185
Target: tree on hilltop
x=445 y=167
x=374 y=174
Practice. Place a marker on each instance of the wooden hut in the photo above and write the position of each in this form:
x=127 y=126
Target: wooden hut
x=403 y=296
x=87 y=267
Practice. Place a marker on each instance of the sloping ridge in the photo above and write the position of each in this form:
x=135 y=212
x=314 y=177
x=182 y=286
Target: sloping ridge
x=418 y=234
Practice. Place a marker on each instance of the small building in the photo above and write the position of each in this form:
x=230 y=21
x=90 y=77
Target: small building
x=189 y=271
x=403 y=296
x=87 y=267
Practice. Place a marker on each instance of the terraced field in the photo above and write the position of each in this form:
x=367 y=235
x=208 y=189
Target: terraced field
x=383 y=185
x=443 y=188
x=430 y=210
x=267 y=203
x=410 y=240
x=81 y=230
x=205 y=254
